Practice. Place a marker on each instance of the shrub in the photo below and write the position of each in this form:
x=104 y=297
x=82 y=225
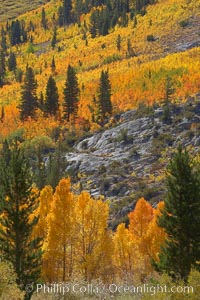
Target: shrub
x=150 y=38
x=184 y=23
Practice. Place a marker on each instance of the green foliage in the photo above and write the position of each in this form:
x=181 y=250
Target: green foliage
x=18 y=75
x=16 y=243
x=104 y=96
x=30 y=48
x=56 y=165
x=43 y=19
x=181 y=217
x=54 y=38
x=2 y=67
x=17 y=32
x=130 y=52
x=12 y=63
x=118 y=42
x=71 y=95
x=111 y=59
x=51 y=98
x=29 y=103
x=124 y=136
x=150 y=38
x=184 y=23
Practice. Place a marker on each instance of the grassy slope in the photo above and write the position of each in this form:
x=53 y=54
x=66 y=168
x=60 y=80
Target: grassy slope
x=129 y=76
x=12 y=8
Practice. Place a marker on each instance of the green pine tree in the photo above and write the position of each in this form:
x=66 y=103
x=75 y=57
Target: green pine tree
x=16 y=242
x=2 y=67
x=67 y=10
x=181 y=217
x=12 y=63
x=54 y=38
x=53 y=65
x=104 y=96
x=43 y=19
x=51 y=99
x=167 y=105
x=29 y=102
x=71 y=94
x=3 y=43
x=119 y=42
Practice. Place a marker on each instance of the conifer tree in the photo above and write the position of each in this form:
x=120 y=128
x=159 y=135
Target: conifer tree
x=181 y=217
x=29 y=103
x=3 y=43
x=53 y=65
x=169 y=91
x=60 y=16
x=41 y=101
x=119 y=42
x=2 y=67
x=12 y=63
x=54 y=38
x=17 y=220
x=43 y=19
x=71 y=94
x=67 y=8
x=51 y=99
x=104 y=96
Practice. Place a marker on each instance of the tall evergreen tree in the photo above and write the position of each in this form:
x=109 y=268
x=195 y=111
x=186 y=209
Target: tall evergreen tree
x=54 y=38
x=12 y=63
x=71 y=94
x=3 y=43
x=51 y=103
x=16 y=242
x=29 y=102
x=67 y=11
x=181 y=217
x=2 y=67
x=167 y=104
x=43 y=19
x=53 y=65
x=104 y=95
x=119 y=42
x=60 y=16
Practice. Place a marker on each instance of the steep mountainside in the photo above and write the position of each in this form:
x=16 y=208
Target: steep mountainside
x=141 y=52
x=10 y=8
x=128 y=161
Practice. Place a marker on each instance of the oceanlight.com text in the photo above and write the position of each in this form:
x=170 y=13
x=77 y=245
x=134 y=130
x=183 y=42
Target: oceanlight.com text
x=112 y=289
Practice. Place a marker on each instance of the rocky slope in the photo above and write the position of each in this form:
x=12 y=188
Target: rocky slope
x=128 y=160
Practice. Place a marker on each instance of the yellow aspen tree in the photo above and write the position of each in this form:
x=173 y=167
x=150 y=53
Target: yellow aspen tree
x=91 y=228
x=124 y=255
x=59 y=248
x=45 y=200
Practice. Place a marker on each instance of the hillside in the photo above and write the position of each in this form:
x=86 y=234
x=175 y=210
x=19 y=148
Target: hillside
x=99 y=149
x=128 y=161
x=10 y=9
x=135 y=77
x=158 y=44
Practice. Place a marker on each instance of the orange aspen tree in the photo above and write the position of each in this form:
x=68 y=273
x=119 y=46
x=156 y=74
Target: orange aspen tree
x=139 y=220
x=156 y=235
x=59 y=248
